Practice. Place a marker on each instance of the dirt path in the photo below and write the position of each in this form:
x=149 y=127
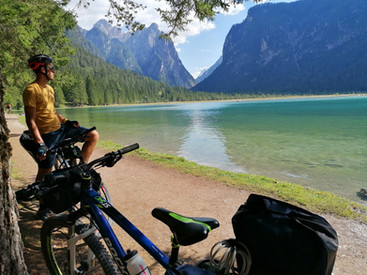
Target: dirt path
x=137 y=186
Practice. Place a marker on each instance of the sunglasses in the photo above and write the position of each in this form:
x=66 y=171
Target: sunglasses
x=51 y=68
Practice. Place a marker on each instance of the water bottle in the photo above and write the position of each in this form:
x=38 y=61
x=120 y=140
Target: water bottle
x=135 y=264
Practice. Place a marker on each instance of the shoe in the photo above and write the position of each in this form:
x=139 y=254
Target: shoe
x=44 y=214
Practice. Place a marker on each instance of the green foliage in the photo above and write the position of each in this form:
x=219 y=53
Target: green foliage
x=30 y=27
x=177 y=15
x=27 y=28
x=88 y=80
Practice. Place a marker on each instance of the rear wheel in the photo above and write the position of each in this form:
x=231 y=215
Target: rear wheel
x=55 y=235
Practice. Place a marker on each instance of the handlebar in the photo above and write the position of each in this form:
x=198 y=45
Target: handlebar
x=111 y=158
x=31 y=191
x=108 y=160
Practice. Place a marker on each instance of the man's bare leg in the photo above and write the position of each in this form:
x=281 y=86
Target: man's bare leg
x=89 y=145
x=41 y=172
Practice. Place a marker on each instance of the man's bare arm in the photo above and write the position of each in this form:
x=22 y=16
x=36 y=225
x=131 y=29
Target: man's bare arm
x=61 y=118
x=30 y=118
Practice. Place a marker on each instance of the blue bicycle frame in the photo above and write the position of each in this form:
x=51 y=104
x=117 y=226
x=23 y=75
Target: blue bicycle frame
x=94 y=203
x=186 y=230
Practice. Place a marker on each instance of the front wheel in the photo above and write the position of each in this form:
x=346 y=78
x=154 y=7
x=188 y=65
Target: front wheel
x=103 y=191
x=57 y=237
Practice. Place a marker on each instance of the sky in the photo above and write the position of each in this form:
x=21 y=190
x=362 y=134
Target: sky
x=198 y=48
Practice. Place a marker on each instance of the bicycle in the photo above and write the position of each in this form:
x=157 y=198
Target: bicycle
x=72 y=189
x=67 y=154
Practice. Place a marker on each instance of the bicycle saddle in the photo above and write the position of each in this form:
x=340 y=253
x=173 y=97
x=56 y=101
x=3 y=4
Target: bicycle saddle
x=186 y=230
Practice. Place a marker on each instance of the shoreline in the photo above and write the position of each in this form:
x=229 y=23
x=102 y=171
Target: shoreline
x=305 y=176
x=17 y=111
x=308 y=201
x=185 y=193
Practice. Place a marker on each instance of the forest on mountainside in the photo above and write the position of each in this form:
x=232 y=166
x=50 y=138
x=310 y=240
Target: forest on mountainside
x=81 y=77
x=88 y=80
x=299 y=48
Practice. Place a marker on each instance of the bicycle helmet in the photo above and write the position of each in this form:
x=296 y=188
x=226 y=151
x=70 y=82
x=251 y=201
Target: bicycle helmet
x=39 y=60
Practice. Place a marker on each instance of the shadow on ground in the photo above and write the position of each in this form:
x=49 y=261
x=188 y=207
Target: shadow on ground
x=30 y=228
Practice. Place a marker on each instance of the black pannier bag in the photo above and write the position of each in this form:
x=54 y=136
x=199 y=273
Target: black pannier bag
x=284 y=239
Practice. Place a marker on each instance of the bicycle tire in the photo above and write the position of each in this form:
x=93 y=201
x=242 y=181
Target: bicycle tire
x=54 y=235
x=103 y=191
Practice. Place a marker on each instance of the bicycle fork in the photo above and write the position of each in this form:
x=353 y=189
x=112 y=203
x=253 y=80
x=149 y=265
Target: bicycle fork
x=71 y=247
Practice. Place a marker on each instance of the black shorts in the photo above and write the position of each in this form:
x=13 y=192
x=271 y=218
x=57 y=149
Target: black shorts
x=52 y=138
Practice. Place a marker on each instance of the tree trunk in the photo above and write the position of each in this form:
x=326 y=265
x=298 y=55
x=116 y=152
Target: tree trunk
x=11 y=244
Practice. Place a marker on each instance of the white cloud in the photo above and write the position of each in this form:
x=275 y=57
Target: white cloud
x=234 y=9
x=150 y=15
x=87 y=17
x=98 y=8
x=194 y=28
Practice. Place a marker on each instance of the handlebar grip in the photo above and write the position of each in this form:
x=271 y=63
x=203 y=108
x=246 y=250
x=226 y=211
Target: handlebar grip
x=111 y=158
x=22 y=195
x=129 y=148
x=28 y=192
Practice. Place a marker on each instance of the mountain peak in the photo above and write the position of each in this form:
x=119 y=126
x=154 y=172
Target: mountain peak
x=154 y=27
x=103 y=25
x=144 y=52
x=299 y=47
x=111 y=31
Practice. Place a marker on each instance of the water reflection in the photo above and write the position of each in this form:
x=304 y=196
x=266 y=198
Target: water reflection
x=155 y=129
x=203 y=143
x=318 y=143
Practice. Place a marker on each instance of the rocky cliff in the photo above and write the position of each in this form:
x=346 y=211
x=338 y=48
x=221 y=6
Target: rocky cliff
x=144 y=52
x=309 y=46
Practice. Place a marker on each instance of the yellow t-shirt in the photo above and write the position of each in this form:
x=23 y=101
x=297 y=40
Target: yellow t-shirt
x=43 y=100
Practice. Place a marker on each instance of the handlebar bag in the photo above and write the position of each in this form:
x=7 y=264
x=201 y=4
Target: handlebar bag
x=64 y=189
x=285 y=239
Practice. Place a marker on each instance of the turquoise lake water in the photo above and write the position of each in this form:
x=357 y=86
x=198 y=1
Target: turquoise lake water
x=315 y=142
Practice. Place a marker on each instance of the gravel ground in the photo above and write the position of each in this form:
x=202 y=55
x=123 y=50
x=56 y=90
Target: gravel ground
x=137 y=186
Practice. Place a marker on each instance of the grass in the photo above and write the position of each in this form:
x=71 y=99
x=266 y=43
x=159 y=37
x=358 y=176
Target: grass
x=310 y=199
x=15 y=173
x=22 y=120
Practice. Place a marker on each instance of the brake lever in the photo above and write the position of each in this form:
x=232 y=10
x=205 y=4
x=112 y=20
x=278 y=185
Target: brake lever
x=114 y=158
x=109 y=160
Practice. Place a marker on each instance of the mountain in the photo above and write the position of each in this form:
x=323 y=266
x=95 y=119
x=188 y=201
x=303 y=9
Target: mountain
x=89 y=80
x=204 y=74
x=308 y=46
x=158 y=57
x=144 y=53
x=112 y=50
